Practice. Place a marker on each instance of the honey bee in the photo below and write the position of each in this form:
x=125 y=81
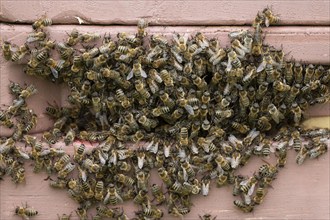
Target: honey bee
x=318 y=150
x=25 y=212
x=243 y=206
x=126 y=180
x=166 y=99
x=247 y=186
x=147 y=123
x=105 y=212
x=297 y=113
x=221 y=180
x=298 y=73
x=207 y=216
x=49 y=137
x=142 y=24
x=218 y=56
x=100 y=61
x=270 y=18
x=36 y=36
x=260 y=195
x=264 y=124
x=241 y=128
x=122 y=98
x=69 y=137
x=165 y=176
x=274 y=113
x=7 y=50
x=281 y=153
x=302 y=154
x=222 y=162
x=21 y=52
x=239 y=48
x=19 y=175
x=73 y=38
x=90 y=165
x=233 y=61
x=89 y=37
x=81 y=213
x=64 y=216
x=41 y=23
x=99 y=188
x=154 y=52
x=181 y=41
x=63 y=173
x=78 y=155
x=62 y=162
x=257 y=40
x=140 y=87
x=137 y=71
x=297 y=143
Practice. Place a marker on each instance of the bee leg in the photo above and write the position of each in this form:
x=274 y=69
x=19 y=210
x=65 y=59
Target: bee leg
x=48 y=178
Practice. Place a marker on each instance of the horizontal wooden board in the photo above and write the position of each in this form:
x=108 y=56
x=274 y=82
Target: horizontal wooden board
x=307 y=44
x=158 y=12
x=299 y=192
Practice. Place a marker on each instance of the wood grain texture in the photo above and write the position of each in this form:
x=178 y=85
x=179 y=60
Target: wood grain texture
x=159 y=12
x=299 y=192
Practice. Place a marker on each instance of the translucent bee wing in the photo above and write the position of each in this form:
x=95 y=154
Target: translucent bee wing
x=185 y=175
x=251 y=190
x=234 y=162
x=149 y=145
x=197 y=51
x=261 y=67
x=237 y=34
x=229 y=66
x=244 y=182
x=130 y=75
x=232 y=139
x=54 y=72
x=272 y=149
x=176 y=39
x=140 y=162
x=143 y=73
x=194 y=148
x=189 y=109
x=21 y=56
x=203 y=44
x=259 y=147
x=247 y=199
x=119 y=197
x=205 y=188
x=23 y=154
x=177 y=56
x=31 y=39
x=185 y=38
x=240 y=52
x=101 y=158
x=167 y=150
x=182 y=154
x=266 y=22
x=209 y=139
x=113 y=158
x=60 y=62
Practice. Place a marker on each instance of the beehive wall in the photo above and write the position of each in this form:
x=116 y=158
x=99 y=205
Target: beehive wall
x=304 y=31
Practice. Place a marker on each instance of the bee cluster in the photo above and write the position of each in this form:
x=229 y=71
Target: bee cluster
x=202 y=111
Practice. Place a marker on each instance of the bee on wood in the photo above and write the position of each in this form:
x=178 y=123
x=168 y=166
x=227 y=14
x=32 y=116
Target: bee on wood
x=25 y=212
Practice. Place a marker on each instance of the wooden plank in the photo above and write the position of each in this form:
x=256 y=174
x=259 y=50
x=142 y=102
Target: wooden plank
x=308 y=44
x=299 y=192
x=166 y=12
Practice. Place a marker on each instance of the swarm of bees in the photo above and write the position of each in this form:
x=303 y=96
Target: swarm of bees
x=200 y=111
